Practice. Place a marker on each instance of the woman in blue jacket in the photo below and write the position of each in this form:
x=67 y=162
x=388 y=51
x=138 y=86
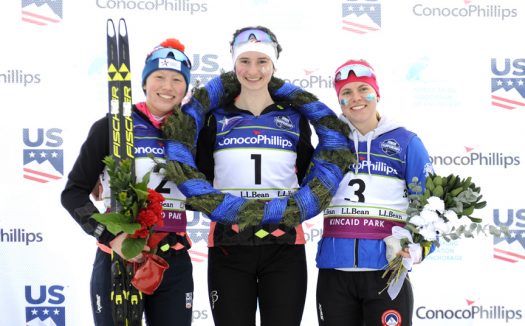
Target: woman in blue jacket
x=371 y=199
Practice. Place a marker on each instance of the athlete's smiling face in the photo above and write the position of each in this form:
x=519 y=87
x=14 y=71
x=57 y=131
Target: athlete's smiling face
x=164 y=90
x=359 y=105
x=254 y=70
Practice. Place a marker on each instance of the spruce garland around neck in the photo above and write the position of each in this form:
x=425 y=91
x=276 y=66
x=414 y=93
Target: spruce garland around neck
x=331 y=158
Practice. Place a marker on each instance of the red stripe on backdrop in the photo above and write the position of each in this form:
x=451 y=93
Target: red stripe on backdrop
x=509 y=253
x=35 y=179
x=197 y=256
x=52 y=20
x=507 y=100
x=33 y=21
x=358 y=28
x=42 y=174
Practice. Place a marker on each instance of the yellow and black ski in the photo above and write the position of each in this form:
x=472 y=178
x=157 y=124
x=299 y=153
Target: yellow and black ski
x=128 y=303
x=119 y=92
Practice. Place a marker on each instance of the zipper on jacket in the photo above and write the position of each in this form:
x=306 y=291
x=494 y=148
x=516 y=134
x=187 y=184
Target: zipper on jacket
x=356 y=253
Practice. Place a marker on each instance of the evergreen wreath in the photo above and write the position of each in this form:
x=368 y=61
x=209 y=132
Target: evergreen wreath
x=330 y=160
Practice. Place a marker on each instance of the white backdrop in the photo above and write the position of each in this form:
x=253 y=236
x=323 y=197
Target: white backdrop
x=450 y=70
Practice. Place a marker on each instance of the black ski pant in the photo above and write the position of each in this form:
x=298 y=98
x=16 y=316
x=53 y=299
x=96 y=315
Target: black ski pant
x=351 y=298
x=171 y=304
x=274 y=276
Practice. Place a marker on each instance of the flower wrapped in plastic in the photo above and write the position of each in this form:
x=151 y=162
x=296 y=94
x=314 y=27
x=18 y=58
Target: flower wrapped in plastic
x=138 y=211
x=443 y=211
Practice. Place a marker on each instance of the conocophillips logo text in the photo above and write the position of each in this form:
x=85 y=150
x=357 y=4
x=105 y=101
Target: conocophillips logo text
x=256 y=140
x=312 y=80
x=470 y=11
x=312 y=231
x=477 y=159
x=18 y=76
x=185 y=6
x=146 y=150
x=473 y=312
x=376 y=167
x=17 y=235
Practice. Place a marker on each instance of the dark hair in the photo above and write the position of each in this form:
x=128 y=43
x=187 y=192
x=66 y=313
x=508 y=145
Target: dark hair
x=262 y=28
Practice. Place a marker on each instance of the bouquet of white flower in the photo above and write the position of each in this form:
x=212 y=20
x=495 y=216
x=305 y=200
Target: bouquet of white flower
x=443 y=210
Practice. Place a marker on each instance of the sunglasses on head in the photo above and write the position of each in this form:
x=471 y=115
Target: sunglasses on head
x=252 y=35
x=358 y=69
x=163 y=53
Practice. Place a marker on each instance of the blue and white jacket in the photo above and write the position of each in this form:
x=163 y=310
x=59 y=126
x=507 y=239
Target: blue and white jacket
x=372 y=197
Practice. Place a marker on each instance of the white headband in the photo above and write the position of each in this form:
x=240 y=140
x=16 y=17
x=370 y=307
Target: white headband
x=261 y=47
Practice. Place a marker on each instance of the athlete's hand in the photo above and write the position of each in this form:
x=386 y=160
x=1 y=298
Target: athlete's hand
x=413 y=251
x=404 y=253
x=116 y=245
x=412 y=254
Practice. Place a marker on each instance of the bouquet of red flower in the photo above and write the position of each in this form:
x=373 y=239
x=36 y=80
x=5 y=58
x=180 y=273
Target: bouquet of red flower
x=138 y=210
